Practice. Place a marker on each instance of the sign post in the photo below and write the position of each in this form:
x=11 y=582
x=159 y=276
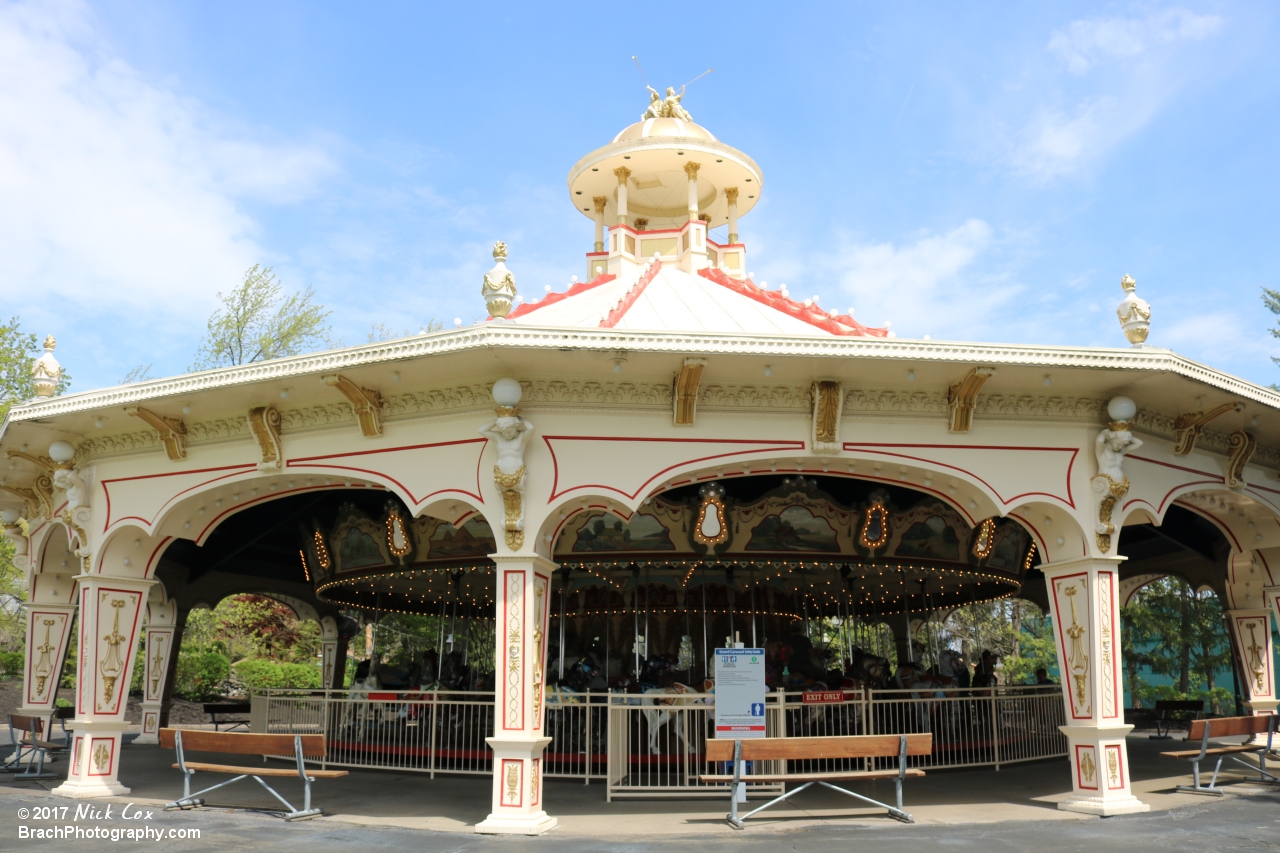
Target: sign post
x=740 y=698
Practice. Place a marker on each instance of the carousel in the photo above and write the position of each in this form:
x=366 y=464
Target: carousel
x=605 y=479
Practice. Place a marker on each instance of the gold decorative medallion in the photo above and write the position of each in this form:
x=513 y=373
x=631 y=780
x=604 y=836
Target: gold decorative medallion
x=513 y=781
x=1077 y=658
x=101 y=755
x=112 y=664
x=44 y=665
x=1087 y=766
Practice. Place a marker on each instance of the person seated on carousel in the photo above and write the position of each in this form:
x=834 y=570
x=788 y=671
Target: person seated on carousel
x=985 y=673
x=430 y=671
x=797 y=656
x=1042 y=677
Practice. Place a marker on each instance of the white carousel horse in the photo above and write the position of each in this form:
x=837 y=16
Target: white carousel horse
x=678 y=695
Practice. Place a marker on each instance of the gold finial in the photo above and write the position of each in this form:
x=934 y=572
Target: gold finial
x=50 y=342
x=1128 y=283
x=499 y=251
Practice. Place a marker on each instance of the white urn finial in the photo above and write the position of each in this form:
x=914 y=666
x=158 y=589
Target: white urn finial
x=499 y=288
x=46 y=372
x=1134 y=313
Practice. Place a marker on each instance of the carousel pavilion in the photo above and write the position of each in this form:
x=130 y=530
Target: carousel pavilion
x=666 y=439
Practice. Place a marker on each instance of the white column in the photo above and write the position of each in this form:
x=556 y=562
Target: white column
x=523 y=604
x=1251 y=630
x=599 y=202
x=161 y=637
x=1084 y=597
x=111 y=611
x=691 y=170
x=622 y=173
x=731 y=196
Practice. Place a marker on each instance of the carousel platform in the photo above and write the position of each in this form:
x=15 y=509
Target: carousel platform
x=456 y=803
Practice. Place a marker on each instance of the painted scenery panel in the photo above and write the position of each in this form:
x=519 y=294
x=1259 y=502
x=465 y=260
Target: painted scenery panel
x=1009 y=550
x=473 y=539
x=932 y=538
x=608 y=533
x=359 y=549
x=793 y=529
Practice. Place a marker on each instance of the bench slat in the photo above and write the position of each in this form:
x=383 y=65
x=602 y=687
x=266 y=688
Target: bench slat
x=261 y=771
x=243 y=743
x=1231 y=726
x=812 y=777
x=799 y=748
x=1221 y=750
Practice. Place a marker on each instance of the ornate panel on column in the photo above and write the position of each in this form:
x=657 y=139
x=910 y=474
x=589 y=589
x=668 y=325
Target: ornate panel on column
x=1071 y=619
x=159 y=646
x=47 y=630
x=328 y=657
x=1252 y=630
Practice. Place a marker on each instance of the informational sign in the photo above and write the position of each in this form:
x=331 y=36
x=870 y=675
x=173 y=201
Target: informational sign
x=740 y=693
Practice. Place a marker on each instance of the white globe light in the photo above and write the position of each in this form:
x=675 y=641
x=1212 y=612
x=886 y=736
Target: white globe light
x=507 y=392
x=61 y=451
x=10 y=516
x=1122 y=409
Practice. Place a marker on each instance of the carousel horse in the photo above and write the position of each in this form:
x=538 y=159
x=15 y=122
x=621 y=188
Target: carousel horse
x=657 y=714
x=869 y=670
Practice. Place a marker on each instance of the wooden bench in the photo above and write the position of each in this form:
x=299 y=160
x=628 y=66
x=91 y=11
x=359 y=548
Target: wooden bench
x=215 y=709
x=1175 y=711
x=26 y=734
x=240 y=743
x=813 y=748
x=1204 y=730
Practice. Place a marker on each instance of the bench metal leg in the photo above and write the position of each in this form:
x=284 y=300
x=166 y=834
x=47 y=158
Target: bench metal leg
x=1264 y=775
x=896 y=813
x=1197 y=788
x=738 y=822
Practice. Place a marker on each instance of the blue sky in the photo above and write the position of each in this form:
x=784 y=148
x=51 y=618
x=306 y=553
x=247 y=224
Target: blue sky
x=975 y=171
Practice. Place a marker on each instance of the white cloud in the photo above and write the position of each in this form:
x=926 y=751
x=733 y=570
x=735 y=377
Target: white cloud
x=1124 y=71
x=922 y=286
x=121 y=194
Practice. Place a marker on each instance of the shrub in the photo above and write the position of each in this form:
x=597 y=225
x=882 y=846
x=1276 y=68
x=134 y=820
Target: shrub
x=11 y=664
x=258 y=674
x=201 y=674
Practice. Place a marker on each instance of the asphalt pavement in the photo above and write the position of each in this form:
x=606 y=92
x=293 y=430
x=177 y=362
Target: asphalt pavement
x=1246 y=821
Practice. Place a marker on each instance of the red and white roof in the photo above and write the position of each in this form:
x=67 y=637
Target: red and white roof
x=663 y=297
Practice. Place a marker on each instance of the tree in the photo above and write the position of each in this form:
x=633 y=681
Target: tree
x=257 y=322
x=18 y=352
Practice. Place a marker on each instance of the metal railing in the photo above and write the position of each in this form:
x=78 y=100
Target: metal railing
x=653 y=745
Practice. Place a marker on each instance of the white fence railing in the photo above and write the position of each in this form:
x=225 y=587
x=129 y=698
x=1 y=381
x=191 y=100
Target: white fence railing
x=653 y=745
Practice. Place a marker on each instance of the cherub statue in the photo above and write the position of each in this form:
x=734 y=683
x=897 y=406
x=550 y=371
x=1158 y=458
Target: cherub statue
x=66 y=480
x=510 y=433
x=1111 y=446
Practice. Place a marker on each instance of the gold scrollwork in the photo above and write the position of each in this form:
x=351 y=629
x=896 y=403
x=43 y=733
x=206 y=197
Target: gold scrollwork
x=1087 y=766
x=1111 y=491
x=512 y=505
x=1113 y=767
x=1077 y=658
x=513 y=780
x=112 y=664
x=44 y=666
x=1254 y=662
x=101 y=755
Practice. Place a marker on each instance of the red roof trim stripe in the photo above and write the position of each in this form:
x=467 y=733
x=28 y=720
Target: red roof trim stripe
x=630 y=297
x=837 y=324
x=553 y=298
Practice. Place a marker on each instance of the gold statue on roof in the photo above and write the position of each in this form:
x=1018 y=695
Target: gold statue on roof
x=668 y=107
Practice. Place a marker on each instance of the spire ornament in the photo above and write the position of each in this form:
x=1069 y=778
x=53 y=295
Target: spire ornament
x=499 y=288
x=46 y=373
x=1134 y=313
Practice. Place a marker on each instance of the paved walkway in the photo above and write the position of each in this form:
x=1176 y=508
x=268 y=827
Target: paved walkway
x=453 y=804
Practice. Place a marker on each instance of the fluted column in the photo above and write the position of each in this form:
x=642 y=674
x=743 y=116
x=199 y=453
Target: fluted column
x=522 y=609
x=691 y=170
x=622 y=173
x=599 y=202
x=731 y=197
x=1084 y=600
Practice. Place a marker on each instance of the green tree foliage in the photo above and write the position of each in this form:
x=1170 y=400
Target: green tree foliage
x=258 y=322
x=13 y=592
x=1174 y=631
x=18 y=351
x=252 y=626
x=1271 y=298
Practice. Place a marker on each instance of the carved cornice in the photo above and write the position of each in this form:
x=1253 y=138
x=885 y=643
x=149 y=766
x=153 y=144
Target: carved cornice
x=523 y=336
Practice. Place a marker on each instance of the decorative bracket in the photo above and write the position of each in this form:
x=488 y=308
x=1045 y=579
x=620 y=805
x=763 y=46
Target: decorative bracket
x=828 y=401
x=686 y=390
x=39 y=497
x=366 y=402
x=1242 y=446
x=962 y=396
x=173 y=432
x=265 y=422
x=1187 y=428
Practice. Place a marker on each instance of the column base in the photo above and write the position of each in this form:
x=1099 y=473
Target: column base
x=78 y=790
x=1104 y=808
x=533 y=824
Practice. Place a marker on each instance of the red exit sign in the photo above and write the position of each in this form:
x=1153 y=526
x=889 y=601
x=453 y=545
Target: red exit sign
x=822 y=697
